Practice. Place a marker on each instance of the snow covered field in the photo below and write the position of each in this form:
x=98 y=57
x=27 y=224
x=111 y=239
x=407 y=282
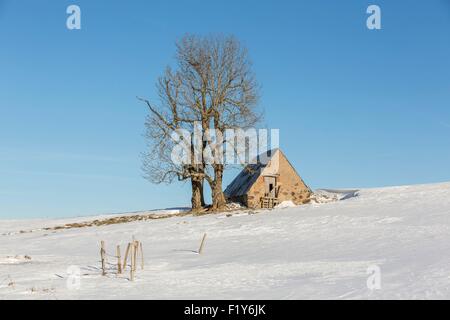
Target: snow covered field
x=321 y=250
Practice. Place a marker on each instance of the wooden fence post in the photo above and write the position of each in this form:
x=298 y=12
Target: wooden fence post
x=126 y=256
x=133 y=248
x=102 y=255
x=202 y=244
x=135 y=244
x=142 y=255
x=119 y=264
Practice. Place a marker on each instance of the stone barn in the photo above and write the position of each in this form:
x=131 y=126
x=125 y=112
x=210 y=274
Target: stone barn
x=268 y=182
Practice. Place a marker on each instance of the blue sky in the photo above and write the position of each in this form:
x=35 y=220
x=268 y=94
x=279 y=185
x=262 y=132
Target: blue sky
x=355 y=107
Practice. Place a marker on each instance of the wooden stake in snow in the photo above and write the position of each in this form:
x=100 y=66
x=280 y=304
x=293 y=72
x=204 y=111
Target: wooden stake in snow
x=102 y=255
x=119 y=264
x=133 y=249
x=142 y=255
x=202 y=244
x=135 y=253
x=126 y=256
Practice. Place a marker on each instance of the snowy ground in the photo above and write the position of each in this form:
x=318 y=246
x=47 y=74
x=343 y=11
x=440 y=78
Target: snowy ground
x=321 y=250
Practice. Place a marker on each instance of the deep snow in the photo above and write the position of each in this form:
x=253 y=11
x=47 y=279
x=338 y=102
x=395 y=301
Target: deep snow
x=320 y=250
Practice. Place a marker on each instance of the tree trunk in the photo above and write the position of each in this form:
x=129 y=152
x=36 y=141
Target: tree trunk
x=197 y=194
x=202 y=196
x=218 y=197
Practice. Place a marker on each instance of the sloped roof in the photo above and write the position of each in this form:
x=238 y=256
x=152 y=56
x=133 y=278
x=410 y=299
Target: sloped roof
x=248 y=176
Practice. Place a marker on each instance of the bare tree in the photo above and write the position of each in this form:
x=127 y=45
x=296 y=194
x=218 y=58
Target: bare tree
x=165 y=120
x=218 y=73
x=214 y=86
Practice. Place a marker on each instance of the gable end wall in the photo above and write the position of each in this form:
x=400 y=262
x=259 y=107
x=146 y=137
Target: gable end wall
x=292 y=186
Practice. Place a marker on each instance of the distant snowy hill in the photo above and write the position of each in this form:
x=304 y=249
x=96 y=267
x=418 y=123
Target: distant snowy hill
x=322 y=250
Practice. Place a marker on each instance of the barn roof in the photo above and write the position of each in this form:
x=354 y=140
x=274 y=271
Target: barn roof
x=248 y=176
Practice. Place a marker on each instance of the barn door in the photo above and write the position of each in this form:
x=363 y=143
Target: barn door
x=270 y=184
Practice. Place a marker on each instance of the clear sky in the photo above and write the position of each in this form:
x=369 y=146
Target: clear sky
x=355 y=107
